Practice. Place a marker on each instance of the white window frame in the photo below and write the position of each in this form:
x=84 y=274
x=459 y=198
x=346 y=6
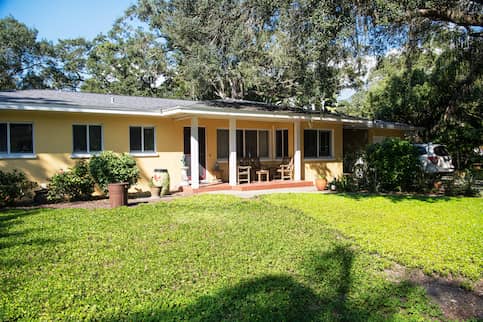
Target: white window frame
x=143 y=153
x=268 y=158
x=88 y=153
x=22 y=155
x=318 y=157
x=275 y=143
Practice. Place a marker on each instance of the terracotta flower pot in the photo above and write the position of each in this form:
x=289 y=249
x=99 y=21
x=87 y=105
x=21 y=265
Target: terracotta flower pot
x=118 y=194
x=321 y=184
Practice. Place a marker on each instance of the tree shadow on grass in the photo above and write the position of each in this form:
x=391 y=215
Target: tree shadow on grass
x=322 y=293
x=395 y=198
x=12 y=260
x=13 y=238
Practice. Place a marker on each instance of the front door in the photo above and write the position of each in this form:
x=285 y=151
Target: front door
x=201 y=150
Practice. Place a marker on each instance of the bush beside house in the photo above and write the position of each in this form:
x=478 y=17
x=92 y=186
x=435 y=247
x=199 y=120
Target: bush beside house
x=13 y=186
x=393 y=165
x=109 y=167
x=75 y=184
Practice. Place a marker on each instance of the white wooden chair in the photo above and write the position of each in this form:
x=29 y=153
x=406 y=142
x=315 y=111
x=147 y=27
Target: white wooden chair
x=286 y=170
x=244 y=173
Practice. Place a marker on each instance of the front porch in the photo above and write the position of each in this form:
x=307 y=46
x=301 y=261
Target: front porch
x=265 y=185
x=236 y=140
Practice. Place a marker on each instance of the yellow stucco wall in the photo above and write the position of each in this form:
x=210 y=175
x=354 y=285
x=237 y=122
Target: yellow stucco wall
x=330 y=167
x=53 y=143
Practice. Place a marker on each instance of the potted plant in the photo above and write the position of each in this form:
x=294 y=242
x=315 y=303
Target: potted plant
x=333 y=185
x=114 y=173
x=155 y=190
x=321 y=182
x=161 y=179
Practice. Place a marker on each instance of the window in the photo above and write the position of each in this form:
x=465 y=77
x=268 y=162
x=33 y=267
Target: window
x=141 y=139
x=317 y=144
x=281 y=143
x=249 y=143
x=222 y=144
x=16 y=138
x=87 y=138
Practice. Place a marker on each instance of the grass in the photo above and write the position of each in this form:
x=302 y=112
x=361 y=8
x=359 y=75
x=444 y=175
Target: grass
x=438 y=235
x=205 y=258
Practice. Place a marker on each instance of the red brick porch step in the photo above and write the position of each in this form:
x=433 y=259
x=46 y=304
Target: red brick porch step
x=274 y=184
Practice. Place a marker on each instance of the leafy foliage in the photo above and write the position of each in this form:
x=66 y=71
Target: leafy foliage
x=126 y=61
x=109 y=167
x=21 y=56
x=440 y=92
x=272 y=51
x=14 y=185
x=208 y=258
x=75 y=184
x=393 y=165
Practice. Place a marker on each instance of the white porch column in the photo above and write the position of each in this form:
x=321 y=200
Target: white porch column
x=297 y=157
x=232 y=158
x=195 y=160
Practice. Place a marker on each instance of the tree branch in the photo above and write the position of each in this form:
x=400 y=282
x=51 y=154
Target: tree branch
x=452 y=15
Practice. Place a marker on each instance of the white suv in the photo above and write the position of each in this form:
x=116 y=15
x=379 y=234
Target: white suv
x=435 y=158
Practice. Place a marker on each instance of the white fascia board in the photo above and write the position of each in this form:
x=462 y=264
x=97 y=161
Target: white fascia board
x=70 y=109
x=361 y=124
x=245 y=114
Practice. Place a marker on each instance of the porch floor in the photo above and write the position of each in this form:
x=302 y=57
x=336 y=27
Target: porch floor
x=274 y=184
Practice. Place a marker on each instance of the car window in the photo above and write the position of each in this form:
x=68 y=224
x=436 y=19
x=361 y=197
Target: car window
x=421 y=150
x=441 y=151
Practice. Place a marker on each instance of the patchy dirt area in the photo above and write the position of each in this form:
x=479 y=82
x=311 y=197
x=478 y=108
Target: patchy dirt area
x=456 y=302
x=99 y=203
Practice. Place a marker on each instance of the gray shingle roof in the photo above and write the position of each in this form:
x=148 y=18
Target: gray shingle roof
x=136 y=104
x=112 y=102
x=92 y=100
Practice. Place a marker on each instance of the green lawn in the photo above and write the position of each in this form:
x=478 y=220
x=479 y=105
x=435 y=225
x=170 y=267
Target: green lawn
x=208 y=258
x=439 y=235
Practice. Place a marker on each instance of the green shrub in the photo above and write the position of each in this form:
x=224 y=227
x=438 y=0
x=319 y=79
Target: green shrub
x=75 y=184
x=109 y=167
x=14 y=185
x=346 y=183
x=461 y=184
x=393 y=165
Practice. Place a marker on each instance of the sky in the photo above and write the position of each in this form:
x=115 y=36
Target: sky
x=63 y=19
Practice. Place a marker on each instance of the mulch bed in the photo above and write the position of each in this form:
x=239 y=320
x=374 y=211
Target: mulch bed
x=98 y=203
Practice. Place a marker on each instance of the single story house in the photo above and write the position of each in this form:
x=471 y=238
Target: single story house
x=44 y=131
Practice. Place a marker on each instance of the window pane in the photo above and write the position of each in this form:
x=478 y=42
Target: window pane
x=222 y=144
x=149 y=139
x=95 y=138
x=278 y=144
x=441 y=151
x=263 y=144
x=310 y=143
x=3 y=138
x=135 y=139
x=21 y=138
x=285 y=143
x=80 y=138
x=251 y=143
x=239 y=144
x=324 y=141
